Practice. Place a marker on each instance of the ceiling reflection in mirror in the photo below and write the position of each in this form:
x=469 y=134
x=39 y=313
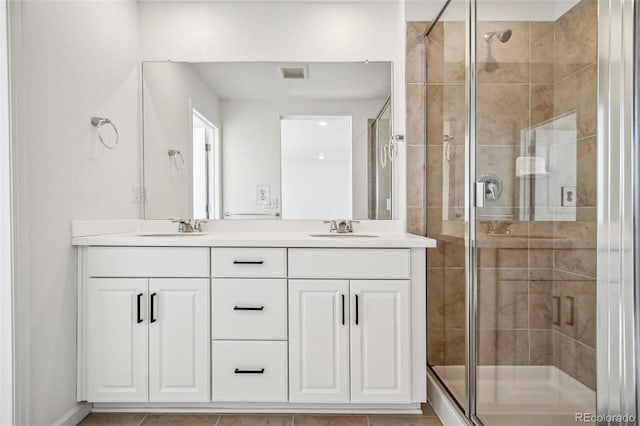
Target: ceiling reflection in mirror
x=268 y=140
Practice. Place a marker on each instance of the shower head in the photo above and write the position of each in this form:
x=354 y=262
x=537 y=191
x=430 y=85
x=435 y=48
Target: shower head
x=502 y=36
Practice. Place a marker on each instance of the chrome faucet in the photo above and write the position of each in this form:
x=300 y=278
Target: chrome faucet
x=188 y=226
x=341 y=226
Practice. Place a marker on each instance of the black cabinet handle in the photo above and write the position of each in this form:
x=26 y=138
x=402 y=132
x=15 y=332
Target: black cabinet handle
x=248 y=262
x=343 y=309
x=139 y=302
x=356 y=309
x=238 y=371
x=248 y=308
x=153 y=317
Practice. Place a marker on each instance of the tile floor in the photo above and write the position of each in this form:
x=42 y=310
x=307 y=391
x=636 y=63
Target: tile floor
x=428 y=418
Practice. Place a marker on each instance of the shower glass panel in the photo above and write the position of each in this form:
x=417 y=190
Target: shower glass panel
x=380 y=157
x=445 y=66
x=535 y=158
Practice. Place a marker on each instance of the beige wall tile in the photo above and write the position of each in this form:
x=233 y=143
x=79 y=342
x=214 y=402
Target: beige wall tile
x=540 y=304
x=541 y=347
x=541 y=103
x=502 y=304
x=415 y=220
x=587 y=172
x=454 y=298
x=503 y=347
x=576 y=38
x=542 y=52
x=503 y=111
x=454 y=346
x=416 y=48
x=415 y=114
x=579 y=92
x=578 y=261
x=415 y=175
x=434 y=175
x=435 y=299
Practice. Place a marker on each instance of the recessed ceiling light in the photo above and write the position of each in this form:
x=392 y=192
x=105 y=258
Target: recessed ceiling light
x=323 y=123
x=321 y=156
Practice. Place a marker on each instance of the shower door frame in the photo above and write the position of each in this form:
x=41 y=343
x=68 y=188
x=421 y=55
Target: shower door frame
x=617 y=290
x=618 y=210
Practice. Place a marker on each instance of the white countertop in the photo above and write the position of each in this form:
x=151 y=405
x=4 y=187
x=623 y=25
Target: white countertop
x=246 y=233
x=256 y=239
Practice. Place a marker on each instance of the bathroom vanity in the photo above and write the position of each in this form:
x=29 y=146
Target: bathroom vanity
x=251 y=321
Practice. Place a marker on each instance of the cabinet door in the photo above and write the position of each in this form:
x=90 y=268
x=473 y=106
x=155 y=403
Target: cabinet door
x=380 y=341
x=179 y=340
x=318 y=341
x=117 y=340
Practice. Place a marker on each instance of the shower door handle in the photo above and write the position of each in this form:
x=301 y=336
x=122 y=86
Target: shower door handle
x=481 y=191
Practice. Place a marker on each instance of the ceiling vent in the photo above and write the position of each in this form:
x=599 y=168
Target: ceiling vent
x=293 y=72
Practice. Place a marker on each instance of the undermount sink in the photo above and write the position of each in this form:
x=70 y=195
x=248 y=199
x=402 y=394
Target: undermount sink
x=344 y=235
x=172 y=234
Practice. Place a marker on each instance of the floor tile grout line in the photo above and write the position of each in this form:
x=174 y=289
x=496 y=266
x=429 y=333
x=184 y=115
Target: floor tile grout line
x=143 y=419
x=218 y=421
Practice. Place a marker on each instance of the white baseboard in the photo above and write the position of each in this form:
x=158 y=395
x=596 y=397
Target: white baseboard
x=448 y=412
x=74 y=415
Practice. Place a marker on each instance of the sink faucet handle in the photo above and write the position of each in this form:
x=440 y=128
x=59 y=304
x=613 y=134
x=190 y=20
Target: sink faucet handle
x=334 y=225
x=350 y=225
x=197 y=225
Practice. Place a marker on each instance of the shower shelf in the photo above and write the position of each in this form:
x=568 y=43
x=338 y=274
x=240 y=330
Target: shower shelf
x=531 y=166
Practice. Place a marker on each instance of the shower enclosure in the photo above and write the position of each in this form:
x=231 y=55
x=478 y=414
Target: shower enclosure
x=527 y=141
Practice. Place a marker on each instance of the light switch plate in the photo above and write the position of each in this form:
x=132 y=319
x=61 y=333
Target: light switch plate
x=569 y=196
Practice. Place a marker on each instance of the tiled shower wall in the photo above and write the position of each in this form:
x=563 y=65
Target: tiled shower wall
x=545 y=70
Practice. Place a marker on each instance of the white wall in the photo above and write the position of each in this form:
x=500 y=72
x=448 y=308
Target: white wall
x=6 y=293
x=283 y=32
x=316 y=168
x=251 y=140
x=170 y=93
x=71 y=60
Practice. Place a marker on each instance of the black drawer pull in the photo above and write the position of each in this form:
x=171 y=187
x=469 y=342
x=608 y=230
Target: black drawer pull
x=238 y=371
x=138 y=305
x=357 y=316
x=248 y=308
x=248 y=262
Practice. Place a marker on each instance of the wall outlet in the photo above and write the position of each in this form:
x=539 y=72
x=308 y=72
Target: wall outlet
x=263 y=195
x=569 y=196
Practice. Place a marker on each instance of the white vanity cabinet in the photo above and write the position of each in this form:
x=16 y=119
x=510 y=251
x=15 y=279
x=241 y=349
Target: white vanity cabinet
x=214 y=327
x=349 y=339
x=147 y=338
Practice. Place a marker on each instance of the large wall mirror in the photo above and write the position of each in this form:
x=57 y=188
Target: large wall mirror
x=268 y=140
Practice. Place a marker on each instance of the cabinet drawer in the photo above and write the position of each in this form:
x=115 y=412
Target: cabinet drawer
x=249 y=371
x=349 y=263
x=185 y=262
x=249 y=262
x=249 y=309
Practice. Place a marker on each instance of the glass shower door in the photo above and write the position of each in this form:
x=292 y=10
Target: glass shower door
x=534 y=163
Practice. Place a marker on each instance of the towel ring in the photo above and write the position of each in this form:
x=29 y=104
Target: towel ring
x=98 y=122
x=174 y=154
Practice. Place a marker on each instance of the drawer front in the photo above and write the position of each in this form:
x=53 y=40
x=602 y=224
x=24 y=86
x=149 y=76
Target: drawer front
x=249 y=371
x=350 y=263
x=162 y=262
x=249 y=309
x=249 y=262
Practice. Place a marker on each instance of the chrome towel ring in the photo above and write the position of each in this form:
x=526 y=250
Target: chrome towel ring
x=173 y=155
x=98 y=122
